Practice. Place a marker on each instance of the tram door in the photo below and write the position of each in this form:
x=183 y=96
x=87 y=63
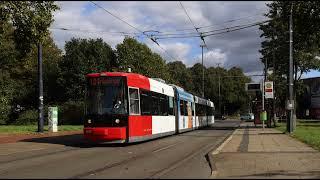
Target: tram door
x=190 y=122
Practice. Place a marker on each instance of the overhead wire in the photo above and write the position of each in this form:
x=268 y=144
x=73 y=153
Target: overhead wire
x=116 y=16
x=201 y=37
x=226 y=30
x=248 y=26
x=228 y=21
x=200 y=27
x=143 y=32
x=214 y=30
x=90 y=31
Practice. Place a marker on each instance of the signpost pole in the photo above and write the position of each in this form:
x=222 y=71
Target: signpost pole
x=262 y=105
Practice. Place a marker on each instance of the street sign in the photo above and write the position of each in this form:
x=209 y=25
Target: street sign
x=268 y=86
x=253 y=87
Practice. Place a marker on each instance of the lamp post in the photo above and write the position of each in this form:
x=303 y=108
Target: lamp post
x=202 y=45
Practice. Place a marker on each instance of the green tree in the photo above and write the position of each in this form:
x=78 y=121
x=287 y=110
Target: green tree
x=82 y=57
x=232 y=92
x=22 y=25
x=180 y=75
x=51 y=56
x=31 y=20
x=141 y=59
x=237 y=97
x=306 y=44
x=196 y=72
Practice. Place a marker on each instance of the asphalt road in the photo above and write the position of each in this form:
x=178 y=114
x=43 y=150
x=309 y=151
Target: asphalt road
x=177 y=156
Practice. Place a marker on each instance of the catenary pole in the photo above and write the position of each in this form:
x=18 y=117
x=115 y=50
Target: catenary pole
x=290 y=122
x=202 y=45
x=40 y=110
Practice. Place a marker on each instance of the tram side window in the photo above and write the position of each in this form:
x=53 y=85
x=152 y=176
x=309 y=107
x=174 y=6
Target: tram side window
x=208 y=110
x=134 y=101
x=163 y=101
x=171 y=106
x=155 y=104
x=204 y=112
x=146 y=101
x=211 y=111
x=182 y=104
x=198 y=112
x=192 y=105
x=186 y=108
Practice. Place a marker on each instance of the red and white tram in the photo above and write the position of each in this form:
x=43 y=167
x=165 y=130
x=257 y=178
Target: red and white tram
x=128 y=107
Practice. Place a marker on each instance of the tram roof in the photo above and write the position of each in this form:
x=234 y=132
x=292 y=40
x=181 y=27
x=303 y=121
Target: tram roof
x=185 y=95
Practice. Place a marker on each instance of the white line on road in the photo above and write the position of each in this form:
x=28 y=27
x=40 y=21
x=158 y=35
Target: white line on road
x=217 y=151
x=165 y=148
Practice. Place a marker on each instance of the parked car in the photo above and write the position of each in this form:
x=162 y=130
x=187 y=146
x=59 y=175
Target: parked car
x=247 y=116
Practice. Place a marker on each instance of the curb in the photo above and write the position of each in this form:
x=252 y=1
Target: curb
x=210 y=155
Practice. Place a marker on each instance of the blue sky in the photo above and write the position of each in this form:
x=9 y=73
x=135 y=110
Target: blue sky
x=239 y=48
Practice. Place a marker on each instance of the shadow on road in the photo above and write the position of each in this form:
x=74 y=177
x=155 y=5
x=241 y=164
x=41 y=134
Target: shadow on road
x=75 y=140
x=287 y=174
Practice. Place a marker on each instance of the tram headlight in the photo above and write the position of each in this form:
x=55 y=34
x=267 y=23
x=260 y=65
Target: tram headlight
x=89 y=121
x=117 y=121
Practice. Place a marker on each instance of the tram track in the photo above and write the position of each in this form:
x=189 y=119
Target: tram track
x=204 y=150
x=181 y=155
x=157 y=174
x=140 y=155
x=39 y=155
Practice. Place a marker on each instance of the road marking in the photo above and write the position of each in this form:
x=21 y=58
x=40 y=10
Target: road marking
x=165 y=148
x=214 y=170
x=217 y=151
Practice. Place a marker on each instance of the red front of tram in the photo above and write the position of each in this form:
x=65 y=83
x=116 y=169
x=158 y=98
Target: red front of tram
x=107 y=105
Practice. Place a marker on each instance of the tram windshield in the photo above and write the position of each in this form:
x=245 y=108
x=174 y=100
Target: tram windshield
x=106 y=96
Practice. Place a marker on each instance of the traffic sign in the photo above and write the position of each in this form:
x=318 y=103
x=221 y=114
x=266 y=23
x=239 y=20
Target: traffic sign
x=268 y=86
x=253 y=87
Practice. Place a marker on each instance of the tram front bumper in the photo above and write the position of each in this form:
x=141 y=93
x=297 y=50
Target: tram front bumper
x=105 y=133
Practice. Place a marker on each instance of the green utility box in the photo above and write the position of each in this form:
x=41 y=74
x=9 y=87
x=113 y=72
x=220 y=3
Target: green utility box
x=263 y=116
x=53 y=119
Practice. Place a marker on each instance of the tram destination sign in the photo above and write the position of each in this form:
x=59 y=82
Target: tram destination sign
x=112 y=81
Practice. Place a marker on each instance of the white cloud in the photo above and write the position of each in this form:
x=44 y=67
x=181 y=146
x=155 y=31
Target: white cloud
x=256 y=76
x=213 y=58
x=171 y=51
x=233 y=49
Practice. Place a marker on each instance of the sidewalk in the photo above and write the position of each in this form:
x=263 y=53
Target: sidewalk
x=253 y=153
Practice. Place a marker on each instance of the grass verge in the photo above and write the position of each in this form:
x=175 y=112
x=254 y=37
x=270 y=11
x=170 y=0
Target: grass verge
x=30 y=129
x=308 y=133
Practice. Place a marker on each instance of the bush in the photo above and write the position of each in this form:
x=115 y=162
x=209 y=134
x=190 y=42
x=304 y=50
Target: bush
x=71 y=112
x=4 y=113
x=27 y=117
